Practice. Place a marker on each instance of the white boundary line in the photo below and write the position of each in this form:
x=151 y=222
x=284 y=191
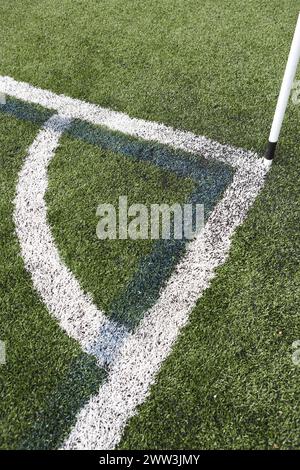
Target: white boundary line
x=117 y=121
x=101 y=422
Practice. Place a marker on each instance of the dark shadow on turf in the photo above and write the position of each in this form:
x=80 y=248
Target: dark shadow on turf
x=53 y=424
x=211 y=179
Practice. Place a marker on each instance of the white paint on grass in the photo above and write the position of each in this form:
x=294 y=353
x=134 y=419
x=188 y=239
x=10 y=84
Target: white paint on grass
x=101 y=422
x=57 y=286
x=94 y=114
x=138 y=358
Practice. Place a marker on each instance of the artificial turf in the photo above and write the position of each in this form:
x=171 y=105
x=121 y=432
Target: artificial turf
x=83 y=176
x=123 y=277
x=212 y=67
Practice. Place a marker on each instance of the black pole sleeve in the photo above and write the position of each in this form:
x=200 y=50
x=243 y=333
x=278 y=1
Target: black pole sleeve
x=270 y=152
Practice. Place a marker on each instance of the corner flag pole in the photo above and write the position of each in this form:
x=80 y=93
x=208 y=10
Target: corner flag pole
x=287 y=84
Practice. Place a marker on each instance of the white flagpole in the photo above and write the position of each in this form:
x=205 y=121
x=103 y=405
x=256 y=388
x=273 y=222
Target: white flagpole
x=287 y=84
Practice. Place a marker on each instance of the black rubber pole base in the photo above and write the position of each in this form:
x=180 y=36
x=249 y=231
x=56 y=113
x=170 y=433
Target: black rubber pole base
x=271 y=149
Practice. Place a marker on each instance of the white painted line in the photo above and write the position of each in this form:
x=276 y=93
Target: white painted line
x=114 y=120
x=57 y=286
x=101 y=422
x=138 y=358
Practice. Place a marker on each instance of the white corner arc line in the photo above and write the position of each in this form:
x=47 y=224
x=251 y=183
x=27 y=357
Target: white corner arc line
x=57 y=286
x=101 y=422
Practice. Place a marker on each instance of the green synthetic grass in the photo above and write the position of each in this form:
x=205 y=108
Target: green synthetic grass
x=210 y=66
x=123 y=276
x=230 y=382
x=82 y=176
x=40 y=406
x=213 y=67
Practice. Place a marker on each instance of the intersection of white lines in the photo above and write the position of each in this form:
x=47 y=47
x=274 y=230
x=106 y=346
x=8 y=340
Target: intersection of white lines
x=134 y=358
